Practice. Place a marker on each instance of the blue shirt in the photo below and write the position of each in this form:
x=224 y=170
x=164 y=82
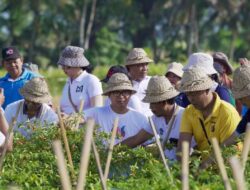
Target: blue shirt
x=241 y=128
x=222 y=91
x=11 y=88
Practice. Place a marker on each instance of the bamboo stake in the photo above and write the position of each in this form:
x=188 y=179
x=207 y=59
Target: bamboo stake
x=237 y=173
x=65 y=140
x=85 y=154
x=99 y=166
x=111 y=145
x=220 y=162
x=6 y=142
x=185 y=165
x=160 y=148
x=246 y=147
x=64 y=176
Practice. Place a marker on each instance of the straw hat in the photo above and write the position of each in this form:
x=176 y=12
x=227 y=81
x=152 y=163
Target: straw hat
x=159 y=89
x=72 y=56
x=241 y=82
x=202 y=60
x=118 y=81
x=195 y=79
x=175 y=68
x=221 y=58
x=137 y=56
x=36 y=90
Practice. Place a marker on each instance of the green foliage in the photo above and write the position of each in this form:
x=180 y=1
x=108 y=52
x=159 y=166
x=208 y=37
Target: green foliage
x=32 y=165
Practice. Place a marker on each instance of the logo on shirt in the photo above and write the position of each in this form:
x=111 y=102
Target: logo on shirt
x=79 y=88
x=121 y=131
x=161 y=131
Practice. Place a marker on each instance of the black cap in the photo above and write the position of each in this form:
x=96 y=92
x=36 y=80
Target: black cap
x=113 y=70
x=10 y=53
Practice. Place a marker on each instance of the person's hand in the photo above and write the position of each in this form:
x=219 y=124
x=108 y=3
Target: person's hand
x=2 y=97
x=244 y=61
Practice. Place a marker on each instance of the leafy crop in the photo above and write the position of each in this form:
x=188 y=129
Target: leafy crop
x=32 y=165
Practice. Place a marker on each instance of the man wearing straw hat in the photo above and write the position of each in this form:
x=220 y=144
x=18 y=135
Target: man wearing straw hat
x=32 y=111
x=137 y=64
x=174 y=74
x=207 y=116
x=160 y=94
x=241 y=92
x=119 y=90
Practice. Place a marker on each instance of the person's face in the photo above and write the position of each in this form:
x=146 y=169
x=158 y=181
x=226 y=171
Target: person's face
x=71 y=72
x=245 y=101
x=158 y=108
x=173 y=78
x=13 y=67
x=138 y=71
x=198 y=98
x=120 y=98
x=32 y=106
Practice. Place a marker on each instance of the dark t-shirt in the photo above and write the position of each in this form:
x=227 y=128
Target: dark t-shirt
x=241 y=128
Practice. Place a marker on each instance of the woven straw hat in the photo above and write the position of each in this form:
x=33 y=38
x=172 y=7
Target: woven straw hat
x=72 y=56
x=175 y=68
x=36 y=90
x=241 y=82
x=118 y=81
x=137 y=56
x=159 y=89
x=221 y=58
x=202 y=60
x=195 y=79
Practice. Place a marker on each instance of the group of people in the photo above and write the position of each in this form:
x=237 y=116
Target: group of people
x=191 y=103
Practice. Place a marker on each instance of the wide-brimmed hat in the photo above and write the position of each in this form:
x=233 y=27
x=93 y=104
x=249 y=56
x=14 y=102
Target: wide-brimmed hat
x=195 y=79
x=115 y=69
x=221 y=58
x=159 y=89
x=137 y=56
x=72 y=56
x=241 y=81
x=36 y=90
x=202 y=60
x=175 y=68
x=117 y=82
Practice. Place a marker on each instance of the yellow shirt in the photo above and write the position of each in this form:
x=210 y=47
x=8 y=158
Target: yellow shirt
x=221 y=123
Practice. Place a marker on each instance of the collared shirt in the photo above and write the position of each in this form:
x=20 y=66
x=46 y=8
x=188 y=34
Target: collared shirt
x=11 y=87
x=84 y=87
x=141 y=87
x=221 y=123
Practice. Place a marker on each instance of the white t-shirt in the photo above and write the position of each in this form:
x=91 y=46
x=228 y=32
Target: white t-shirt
x=46 y=116
x=84 y=87
x=2 y=139
x=133 y=103
x=162 y=129
x=129 y=124
x=141 y=87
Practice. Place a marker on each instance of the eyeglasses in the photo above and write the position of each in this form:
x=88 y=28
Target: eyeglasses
x=123 y=93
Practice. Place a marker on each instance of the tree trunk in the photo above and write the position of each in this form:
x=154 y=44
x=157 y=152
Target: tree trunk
x=90 y=24
x=82 y=23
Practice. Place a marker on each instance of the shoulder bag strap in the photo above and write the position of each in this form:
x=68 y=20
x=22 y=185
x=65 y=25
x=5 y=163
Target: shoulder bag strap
x=170 y=126
x=204 y=130
x=70 y=100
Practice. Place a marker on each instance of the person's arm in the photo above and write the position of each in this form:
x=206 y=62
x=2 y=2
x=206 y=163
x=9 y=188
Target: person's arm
x=137 y=139
x=97 y=101
x=183 y=137
x=4 y=129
